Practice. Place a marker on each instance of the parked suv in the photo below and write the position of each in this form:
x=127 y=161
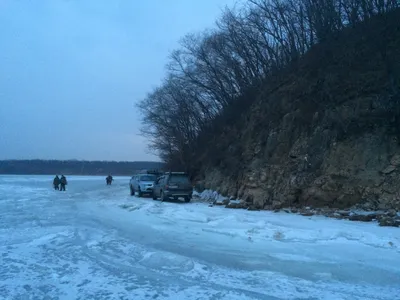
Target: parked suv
x=173 y=185
x=142 y=184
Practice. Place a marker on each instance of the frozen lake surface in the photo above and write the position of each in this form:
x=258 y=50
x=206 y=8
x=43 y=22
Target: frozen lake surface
x=96 y=242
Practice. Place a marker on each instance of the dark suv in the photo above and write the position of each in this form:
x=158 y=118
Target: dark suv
x=173 y=185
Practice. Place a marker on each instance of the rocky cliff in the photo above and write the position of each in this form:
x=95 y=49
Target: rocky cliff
x=325 y=134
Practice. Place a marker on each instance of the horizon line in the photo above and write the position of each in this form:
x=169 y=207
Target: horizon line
x=81 y=160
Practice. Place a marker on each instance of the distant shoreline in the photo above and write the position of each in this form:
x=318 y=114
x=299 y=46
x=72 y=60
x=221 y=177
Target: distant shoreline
x=75 y=167
x=69 y=175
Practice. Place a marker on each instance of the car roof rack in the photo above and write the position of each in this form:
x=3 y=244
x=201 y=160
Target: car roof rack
x=180 y=173
x=149 y=172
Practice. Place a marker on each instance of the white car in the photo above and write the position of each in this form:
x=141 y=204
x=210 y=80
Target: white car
x=142 y=184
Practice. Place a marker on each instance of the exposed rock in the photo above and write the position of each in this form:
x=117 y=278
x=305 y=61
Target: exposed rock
x=318 y=137
x=249 y=199
x=263 y=177
x=389 y=221
x=224 y=201
x=276 y=205
x=395 y=160
x=363 y=218
x=318 y=211
x=337 y=216
x=253 y=208
x=344 y=213
x=392 y=213
x=267 y=207
x=307 y=213
x=320 y=181
x=382 y=206
x=389 y=169
x=199 y=186
x=233 y=205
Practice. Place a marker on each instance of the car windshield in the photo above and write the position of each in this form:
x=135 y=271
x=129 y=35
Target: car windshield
x=148 y=178
x=179 y=179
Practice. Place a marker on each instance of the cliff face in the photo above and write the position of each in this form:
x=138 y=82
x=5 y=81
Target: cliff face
x=326 y=134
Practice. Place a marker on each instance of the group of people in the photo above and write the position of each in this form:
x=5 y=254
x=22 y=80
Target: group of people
x=60 y=183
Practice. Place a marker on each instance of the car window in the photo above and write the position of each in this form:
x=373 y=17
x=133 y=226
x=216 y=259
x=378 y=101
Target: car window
x=178 y=178
x=148 y=178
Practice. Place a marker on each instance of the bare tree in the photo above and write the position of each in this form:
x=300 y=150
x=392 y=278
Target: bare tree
x=211 y=71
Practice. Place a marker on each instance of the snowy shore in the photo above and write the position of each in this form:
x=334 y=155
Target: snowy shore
x=96 y=242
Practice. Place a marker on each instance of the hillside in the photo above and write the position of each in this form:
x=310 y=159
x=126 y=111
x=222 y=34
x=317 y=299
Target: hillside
x=74 y=167
x=326 y=132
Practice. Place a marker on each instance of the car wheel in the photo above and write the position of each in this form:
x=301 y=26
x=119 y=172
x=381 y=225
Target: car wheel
x=154 y=196
x=140 y=194
x=187 y=199
x=132 y=191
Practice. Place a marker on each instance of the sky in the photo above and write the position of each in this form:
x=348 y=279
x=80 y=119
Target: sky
x=71 y=72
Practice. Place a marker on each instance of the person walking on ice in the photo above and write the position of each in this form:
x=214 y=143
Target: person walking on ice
x=63 y=182
x=109 y=179
x=56 y=183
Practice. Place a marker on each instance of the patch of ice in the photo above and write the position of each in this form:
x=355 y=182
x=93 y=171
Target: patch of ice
x=293 y=257
x=211 y=196
x=166 y=261
x=234 y=201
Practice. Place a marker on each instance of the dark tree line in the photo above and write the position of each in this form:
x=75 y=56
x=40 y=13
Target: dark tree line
x=74 y=167
x=212 y=70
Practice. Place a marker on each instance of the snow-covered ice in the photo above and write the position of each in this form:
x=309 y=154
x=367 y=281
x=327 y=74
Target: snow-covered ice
x=96 y=242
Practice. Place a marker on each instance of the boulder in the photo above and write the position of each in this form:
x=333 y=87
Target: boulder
x=249 y=199
x=267 y=207
x=395 y=160
x=307 y=214
x=362 y=218
x=233 y=205
x=344 y=213
x=389 y=169
x=387 y=221
x=253 y=208
x=338 y=216
x=276 y=205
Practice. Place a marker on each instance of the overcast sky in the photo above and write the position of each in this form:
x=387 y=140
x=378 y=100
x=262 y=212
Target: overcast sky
x=72 y=70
